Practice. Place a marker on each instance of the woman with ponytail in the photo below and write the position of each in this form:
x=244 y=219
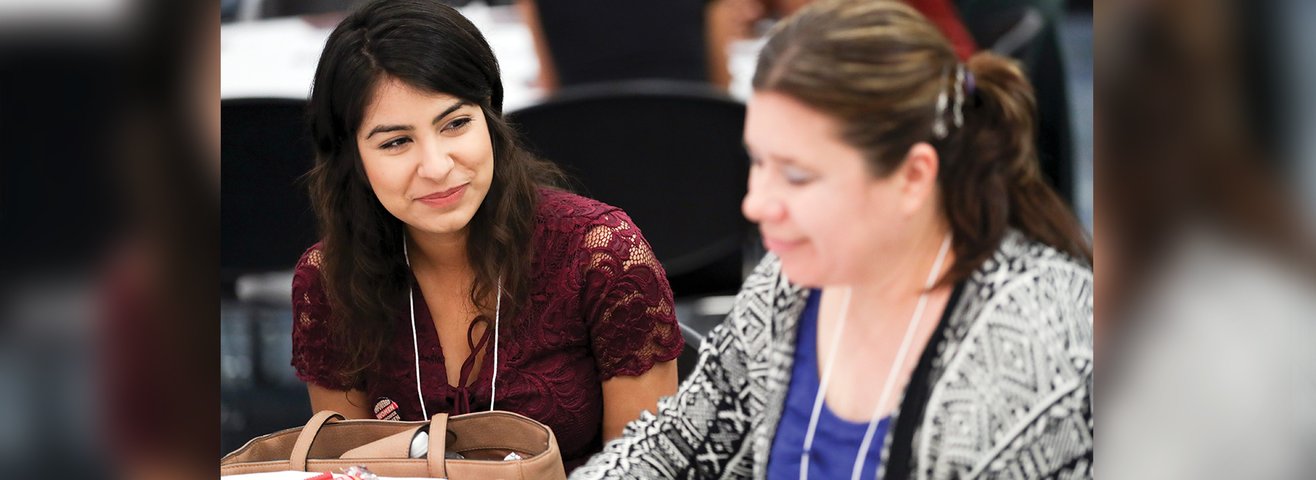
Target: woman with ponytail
x=925 y=310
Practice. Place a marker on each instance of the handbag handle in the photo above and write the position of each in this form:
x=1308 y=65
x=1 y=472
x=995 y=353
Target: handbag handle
x=438 y=445
x=297 y=461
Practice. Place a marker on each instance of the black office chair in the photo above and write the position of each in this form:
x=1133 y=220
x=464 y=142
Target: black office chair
x=685 y=363
x=1026 y=30
x=266 y=223
x=266 y=220
x=668 y=153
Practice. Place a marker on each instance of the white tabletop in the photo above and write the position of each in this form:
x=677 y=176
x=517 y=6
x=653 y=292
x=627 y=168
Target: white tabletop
x=277 y=57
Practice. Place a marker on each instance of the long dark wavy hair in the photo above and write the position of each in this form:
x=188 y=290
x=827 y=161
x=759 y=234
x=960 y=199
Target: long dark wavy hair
x=878 y=68
x=431 y=47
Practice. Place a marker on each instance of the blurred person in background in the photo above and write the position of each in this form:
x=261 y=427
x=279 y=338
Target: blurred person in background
x=1206 y=272
x=154 y=361
x=687 y=40
x=451 y=276
x=730 y=21
x=926 y=308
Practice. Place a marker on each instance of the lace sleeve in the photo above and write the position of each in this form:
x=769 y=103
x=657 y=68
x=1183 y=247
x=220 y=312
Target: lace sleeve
x=314 y=354
x=627 y=300
x=705 y=430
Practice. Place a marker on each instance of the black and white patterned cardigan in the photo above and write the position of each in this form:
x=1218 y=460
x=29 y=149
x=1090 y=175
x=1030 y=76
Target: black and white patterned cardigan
x=1002 y=390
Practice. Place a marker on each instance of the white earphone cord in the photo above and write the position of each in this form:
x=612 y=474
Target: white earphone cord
x=415 y=342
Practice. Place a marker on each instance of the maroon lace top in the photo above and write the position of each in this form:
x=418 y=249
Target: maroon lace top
x=600 y=307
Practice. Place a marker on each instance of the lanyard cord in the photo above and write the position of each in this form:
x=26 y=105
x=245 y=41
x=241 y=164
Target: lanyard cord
x=415 y=342
x=498 y=308
x=890 y=378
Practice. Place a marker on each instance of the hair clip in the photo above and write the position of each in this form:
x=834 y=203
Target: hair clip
x=959 y=95
x=939 y=115
x=963 y=83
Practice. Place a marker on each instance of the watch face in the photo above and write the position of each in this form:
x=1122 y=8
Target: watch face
x=386 y=409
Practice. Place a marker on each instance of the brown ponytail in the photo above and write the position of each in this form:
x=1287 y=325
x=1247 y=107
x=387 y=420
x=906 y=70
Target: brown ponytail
x=991 y=180
x=878 y=67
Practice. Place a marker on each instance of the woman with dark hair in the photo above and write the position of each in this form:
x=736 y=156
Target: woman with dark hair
x=926 y=308
x=451 y=276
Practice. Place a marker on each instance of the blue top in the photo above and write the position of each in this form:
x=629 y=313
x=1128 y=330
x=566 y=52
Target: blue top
x=835 y=440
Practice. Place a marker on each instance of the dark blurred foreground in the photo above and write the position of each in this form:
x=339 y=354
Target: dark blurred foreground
x=109 y=166
x=1205 y=169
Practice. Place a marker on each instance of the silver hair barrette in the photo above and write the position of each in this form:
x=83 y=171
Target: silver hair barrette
x=939 y=128
x=939 y=115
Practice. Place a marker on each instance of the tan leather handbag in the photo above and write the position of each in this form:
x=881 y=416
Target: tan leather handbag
x=328 y=443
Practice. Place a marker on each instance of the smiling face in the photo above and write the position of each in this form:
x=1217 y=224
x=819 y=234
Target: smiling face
x=818 y=206
x=428 y=156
